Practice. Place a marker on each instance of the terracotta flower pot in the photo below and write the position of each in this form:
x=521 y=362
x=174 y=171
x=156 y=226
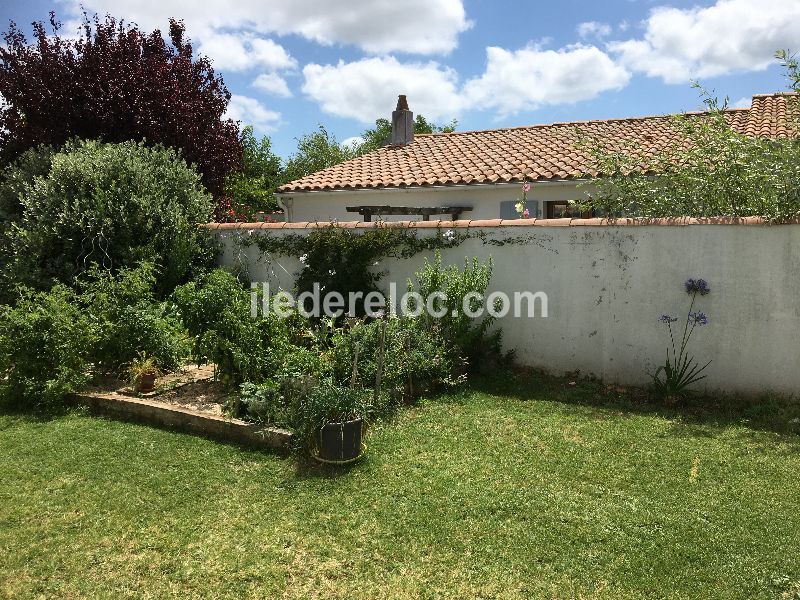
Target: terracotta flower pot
x=147 y=383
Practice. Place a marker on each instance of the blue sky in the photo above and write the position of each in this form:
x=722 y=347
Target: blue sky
x=292 y=64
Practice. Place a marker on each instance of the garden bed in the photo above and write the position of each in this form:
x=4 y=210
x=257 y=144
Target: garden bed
x=189 y=401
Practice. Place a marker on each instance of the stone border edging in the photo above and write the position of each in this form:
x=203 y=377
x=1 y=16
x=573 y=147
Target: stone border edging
x=153 y=412
x=465 y=224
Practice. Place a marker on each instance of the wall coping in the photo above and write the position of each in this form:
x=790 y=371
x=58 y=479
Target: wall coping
x=484 y=223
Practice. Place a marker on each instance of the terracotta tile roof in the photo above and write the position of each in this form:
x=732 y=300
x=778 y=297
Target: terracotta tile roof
x=543 y=152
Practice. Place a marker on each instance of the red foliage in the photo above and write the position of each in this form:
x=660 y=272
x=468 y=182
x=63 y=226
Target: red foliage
x=116 y=83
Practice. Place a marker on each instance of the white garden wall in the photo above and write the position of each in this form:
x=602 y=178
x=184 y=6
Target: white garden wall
x=607 y=286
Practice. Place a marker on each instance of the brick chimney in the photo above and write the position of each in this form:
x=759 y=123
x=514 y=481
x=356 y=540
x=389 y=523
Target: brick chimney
x=402 y=124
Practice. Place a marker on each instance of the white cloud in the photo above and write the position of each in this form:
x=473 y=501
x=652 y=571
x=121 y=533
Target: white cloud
x=594 y=29
x=730 y=36
x=251 y=112
x=272 y=83
x=376 y=26
x=529 y=78
x=745 y=102
x=243 y=51
x=367 y=89
x=353 y=142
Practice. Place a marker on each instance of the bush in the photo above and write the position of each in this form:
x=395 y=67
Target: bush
x=468 y=337
x=208 y=301
x=131 y=321
x=414 y=360
x=263 y=402
x=217 y=312
x=46 y=342
x=111 y=205
x=50 y=342
x=13 y=181
x=709 y=171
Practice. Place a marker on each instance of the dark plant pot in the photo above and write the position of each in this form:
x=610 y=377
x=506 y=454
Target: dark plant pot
x=147 y=383
x=340 y=441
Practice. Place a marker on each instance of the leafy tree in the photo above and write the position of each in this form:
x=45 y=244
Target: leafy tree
x=709 y=170
x=115 y=83
x=111 y=205
x=320 y=149
x=253 y=187
x=791 y=67
x=316 y=151
x=379 y=135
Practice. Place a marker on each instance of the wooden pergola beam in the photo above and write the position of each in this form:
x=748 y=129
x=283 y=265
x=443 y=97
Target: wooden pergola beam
x=367 y=211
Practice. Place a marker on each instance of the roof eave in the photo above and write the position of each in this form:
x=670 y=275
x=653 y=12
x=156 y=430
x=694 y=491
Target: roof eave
x=435 y=188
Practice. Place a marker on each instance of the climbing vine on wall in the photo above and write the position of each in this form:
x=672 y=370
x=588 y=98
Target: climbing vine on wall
x=343 y=260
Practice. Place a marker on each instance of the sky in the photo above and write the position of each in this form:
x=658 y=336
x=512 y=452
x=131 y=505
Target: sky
x=294 y=64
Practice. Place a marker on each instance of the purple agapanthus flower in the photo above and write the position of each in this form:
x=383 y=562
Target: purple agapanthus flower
x=697 y=286
x=698 y=318
x=666 y=319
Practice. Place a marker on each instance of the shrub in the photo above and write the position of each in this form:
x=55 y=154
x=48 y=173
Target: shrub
x=217 y=312
x=130 y=320
x=414 y=360
x=111 y=205
x=46 y=341
x=263 y=402
x=205 y=302
x=468 y=337
x=13 y=181
x=710 y=170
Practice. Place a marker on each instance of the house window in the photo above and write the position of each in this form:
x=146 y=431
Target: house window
x=508 y=209
x=561 y=209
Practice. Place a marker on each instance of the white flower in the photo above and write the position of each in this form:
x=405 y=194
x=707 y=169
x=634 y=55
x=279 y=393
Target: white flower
x=304 y=258
x=449 y=235
x=332 y=272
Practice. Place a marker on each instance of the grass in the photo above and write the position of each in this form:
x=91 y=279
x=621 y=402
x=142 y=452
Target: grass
x=519 y=486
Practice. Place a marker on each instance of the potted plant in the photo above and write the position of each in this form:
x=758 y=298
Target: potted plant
x=142 y=373
x=329 y=420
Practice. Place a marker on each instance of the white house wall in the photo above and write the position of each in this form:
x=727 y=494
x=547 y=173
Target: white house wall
x=485 y=200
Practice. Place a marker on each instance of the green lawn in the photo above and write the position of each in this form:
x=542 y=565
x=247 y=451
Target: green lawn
x=516 y=487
